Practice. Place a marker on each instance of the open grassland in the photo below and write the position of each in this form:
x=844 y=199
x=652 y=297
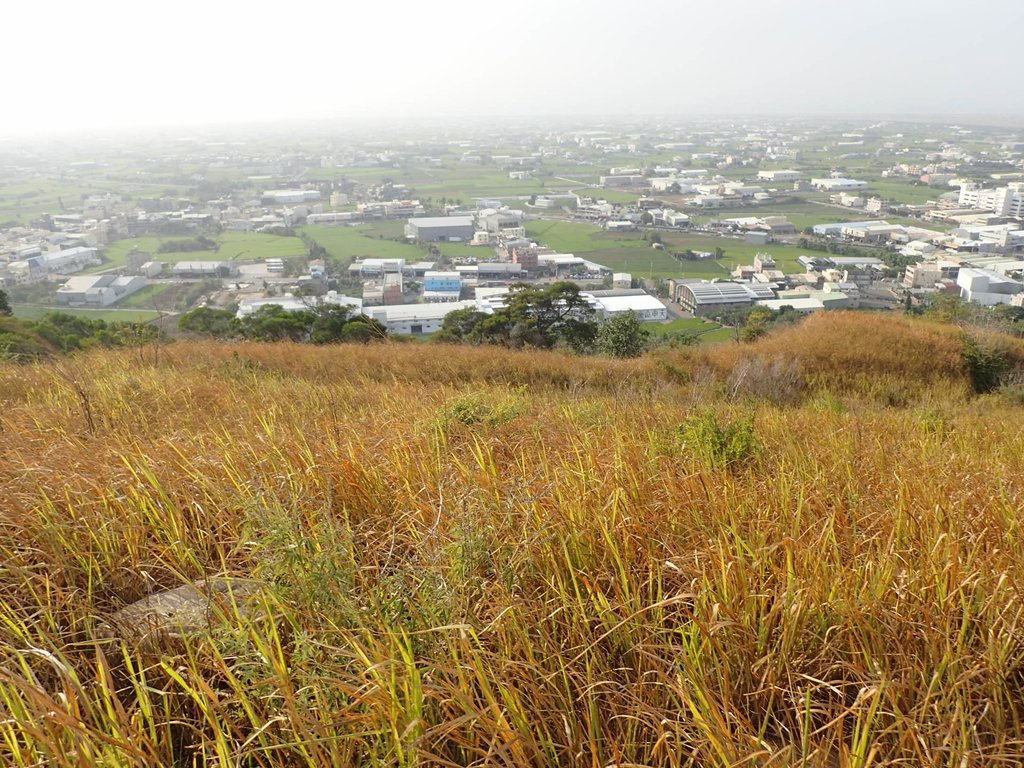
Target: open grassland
x=630 y=252
x=362 y=241
x=695 y=325
x=33 y=312
x=232 y=246
x=28 y=198
x=152 y=296
x=807 y=214
x=452 y=180
x=806 y=551
x=904 y=191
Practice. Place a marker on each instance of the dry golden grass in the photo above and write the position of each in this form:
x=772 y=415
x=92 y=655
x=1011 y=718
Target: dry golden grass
x=477 y=557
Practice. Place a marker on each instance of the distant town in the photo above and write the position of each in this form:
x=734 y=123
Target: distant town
x=683 y=224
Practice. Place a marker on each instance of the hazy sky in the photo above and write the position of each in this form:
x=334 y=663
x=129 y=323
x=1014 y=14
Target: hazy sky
x=71 y=65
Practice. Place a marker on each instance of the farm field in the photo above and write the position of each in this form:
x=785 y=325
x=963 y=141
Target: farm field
x=629 y=252
x=363 y=241
x=463 y=182
x=689 y=324
x=147 y=297
x=461 y=250
x=803 y=215
x=33 y=312
x=26 y=198
x=234 y=246
x=904 y=192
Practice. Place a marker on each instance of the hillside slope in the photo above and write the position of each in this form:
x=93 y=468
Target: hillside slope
x=474 y=556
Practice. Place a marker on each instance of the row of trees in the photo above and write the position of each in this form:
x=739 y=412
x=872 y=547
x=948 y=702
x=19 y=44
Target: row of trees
x=546 y=318
x=61 y=333
x=324 y=324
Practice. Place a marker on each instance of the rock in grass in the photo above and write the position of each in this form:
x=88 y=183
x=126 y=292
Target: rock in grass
x=167 y=618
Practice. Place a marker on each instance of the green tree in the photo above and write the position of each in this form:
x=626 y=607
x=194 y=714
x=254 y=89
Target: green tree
x=461 y=326
x=272 y=322
x=622 y=336
x=946 y=308
x=756 y=324
x=363 y=330
x=329 y=325
x=208 y=322
x=5 y=305
x=532 y=317
x=541 y=317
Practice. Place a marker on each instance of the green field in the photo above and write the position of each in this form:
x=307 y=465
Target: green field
x=690 y=324
x=33 y=312
x=460 y=250
x=805 y=214
x=27 y=198
x=708 y=332
x=718 y=336
x=234 y=246
x=629 y=252
x=611 y=195
x=148 y=296
x=648 y=262
x=905 y=192
x=362 y=241
x=456 y=181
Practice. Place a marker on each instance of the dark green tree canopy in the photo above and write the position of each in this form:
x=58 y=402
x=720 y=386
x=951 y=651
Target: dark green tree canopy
x=622 y=336
x=323 y=324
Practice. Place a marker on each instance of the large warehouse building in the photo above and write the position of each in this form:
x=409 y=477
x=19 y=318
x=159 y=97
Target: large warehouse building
x=440 y=229
x=704 y=299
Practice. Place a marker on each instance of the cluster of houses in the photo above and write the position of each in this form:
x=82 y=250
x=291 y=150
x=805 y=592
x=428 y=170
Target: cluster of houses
x=703 y=188
x=829 y=282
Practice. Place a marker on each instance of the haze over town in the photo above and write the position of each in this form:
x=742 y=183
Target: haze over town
x=119 y=65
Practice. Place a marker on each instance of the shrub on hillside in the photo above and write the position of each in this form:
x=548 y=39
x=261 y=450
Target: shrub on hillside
x=717 y=444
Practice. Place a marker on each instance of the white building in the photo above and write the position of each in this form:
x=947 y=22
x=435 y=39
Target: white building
x=98 y=290
x=1002 y=201
x=647 y=308
x=835 y=185
x=337 y=217
x=370 y=268
x=779 y=175
x=416 y=318
x=290 y=196
x=986 y=288
x=922 y=276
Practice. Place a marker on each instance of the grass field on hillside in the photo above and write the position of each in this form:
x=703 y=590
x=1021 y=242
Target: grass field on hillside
x=688 y=324
x=802 y=551
x=32 y=312
x=147 y=297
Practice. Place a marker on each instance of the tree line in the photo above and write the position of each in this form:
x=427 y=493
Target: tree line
x=323 y=324
x=546 y=318
x=60 y=333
